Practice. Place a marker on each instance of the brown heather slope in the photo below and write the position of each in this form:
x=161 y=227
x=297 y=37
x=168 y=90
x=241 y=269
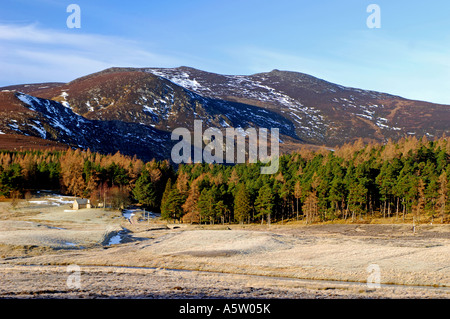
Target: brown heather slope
x=10 y=104
x=13 y=113
x=16 y=142
x=32 y=88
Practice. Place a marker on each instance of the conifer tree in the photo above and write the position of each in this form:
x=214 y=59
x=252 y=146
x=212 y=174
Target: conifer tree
x=356 y=198
x=385 y=181
x=298 y=192
x=190 y=208
x=165 y=209
x=443 y=194
x=310 y=207
x=336 y=194
x=242 y=204
x=420 y=201
x=145 y=192
x=206 y=205
x=171 y=202
x=264 y=203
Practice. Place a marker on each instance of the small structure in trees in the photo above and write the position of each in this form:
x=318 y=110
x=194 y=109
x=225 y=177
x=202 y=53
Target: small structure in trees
x=81 y=203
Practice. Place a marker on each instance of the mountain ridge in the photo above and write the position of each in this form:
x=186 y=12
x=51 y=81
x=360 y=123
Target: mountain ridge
x=155 y=101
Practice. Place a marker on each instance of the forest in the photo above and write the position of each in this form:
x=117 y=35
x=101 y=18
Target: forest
x=405 y=180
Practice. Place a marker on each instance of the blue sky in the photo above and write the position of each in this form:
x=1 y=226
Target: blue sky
x=408 y=56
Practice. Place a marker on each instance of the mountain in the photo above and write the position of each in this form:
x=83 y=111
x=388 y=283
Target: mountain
x=134 y=110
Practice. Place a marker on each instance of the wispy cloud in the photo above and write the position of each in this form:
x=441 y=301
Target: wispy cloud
x=37 y=54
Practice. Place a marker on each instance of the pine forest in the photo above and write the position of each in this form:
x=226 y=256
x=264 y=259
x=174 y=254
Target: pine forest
x=406 y=180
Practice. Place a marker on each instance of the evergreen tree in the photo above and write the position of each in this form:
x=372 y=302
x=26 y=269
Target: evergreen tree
x=298 y=191
x=11 y=180
x=265 y=202
x=145 y=192
x=336 y=196
x=206 y=205
x=310 y=207
x=356 y=198
x=443 y=194
x=242 y=204
x=420 y=201
x=165 y=206
x=385 y=181
x=171 y=202
x=431 y=196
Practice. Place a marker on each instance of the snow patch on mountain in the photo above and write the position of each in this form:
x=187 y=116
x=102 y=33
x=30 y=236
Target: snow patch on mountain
x=90 y=108
x=181 y=79
x=27 y=99
x=64 y=95
x=14 y=126
x=39 y=129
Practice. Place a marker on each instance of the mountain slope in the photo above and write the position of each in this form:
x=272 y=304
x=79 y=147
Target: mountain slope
x=47 y=119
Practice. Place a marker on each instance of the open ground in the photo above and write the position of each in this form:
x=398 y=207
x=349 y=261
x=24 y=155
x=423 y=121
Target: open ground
x=149 y=258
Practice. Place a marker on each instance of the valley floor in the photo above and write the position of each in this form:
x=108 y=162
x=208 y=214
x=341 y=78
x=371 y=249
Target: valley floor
x=152 y=259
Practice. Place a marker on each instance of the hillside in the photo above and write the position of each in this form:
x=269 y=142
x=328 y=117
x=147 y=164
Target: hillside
x=43 y=119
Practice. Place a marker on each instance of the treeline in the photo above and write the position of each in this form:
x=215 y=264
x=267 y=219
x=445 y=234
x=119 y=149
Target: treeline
x=107 y=179
x=403 y=179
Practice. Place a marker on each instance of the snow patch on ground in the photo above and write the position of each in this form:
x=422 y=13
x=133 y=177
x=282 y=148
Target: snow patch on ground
x=53 y=199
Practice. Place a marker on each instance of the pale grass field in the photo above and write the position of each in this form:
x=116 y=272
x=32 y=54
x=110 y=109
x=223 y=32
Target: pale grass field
x=248 y=261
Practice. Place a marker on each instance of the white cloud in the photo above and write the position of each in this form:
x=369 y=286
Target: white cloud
x=32 y=54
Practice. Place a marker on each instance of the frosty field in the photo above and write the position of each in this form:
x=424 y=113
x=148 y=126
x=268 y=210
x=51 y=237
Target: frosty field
x=152 y=259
